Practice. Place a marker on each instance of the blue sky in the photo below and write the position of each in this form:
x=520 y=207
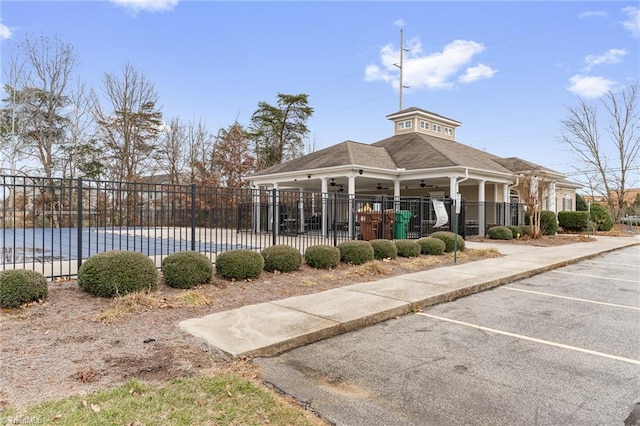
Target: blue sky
x=507 y=70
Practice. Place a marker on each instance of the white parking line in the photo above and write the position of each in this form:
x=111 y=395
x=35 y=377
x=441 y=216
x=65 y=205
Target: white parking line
x=596 y=276
x=571 y=298
x=604 y=262
x=533 y=339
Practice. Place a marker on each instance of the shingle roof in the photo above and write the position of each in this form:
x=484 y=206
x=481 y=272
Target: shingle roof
x=516 y=165
x=421 y=151
x=411 y=151
x=347 y=152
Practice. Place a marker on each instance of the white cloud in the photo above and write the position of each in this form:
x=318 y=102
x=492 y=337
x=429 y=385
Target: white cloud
x=592 y=14
x=438 y=70
x=633 y=20
x=479 y=72
x=147 y=5
x=399 y=23
x=611 y=56
x=5 y=32
x=590 y=86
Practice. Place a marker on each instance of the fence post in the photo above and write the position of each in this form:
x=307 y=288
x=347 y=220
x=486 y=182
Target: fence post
x=79 y=230
x=193 y=217
x=335 y=219
x=274 y=214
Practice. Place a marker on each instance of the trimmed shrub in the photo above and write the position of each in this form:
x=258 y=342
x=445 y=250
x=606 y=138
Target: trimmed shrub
x=548 y=222
x=186 y=269
x=239 y=264
x=500 y=233
x=322 y=256
x=408 y=248
x=601 y=217
x=116 y=273
x=433 y=246
x=355 y=252
x=448 y=238
x=573 y=221
x=525 y=230
x=516 y=231
x=20 y=286
x=384 y=249
x=281 y=258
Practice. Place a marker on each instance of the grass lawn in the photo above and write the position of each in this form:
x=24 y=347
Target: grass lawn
x=219 y=400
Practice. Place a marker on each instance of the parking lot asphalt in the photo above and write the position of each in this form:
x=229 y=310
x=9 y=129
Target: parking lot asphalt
x=280 y=325
x=558 y=348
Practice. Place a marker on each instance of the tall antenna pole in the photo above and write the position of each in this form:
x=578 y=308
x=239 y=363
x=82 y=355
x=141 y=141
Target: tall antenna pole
x=401 y=64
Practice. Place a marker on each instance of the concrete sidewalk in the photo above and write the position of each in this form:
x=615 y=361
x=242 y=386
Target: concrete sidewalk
x=269 y=328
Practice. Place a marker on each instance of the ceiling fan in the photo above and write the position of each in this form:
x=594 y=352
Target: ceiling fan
x=379 y=187
x=333 y=182
x=424 y=185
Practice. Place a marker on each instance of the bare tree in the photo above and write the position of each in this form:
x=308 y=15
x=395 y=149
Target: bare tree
x=129 y=128
x=200 y=167
x=231 y=156
x=12 y=144
x=40 y=96
x=172 y=155
x=532 y=189
x=611 y=161
x=81 y=151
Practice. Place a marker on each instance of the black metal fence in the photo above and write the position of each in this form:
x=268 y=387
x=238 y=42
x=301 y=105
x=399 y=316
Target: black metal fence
x=51 y=225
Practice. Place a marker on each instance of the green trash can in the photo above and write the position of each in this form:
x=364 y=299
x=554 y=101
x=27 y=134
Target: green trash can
x=400 y=224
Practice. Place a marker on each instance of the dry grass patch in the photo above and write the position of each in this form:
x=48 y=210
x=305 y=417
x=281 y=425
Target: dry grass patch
x=123 y=305
x=486 y=252
x=373 y=268
x=188 y=298
x=415 y=263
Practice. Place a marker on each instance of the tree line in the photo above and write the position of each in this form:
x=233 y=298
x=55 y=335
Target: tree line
x=53 y=125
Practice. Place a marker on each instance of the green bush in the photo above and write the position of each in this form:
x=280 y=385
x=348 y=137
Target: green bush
x=20 y=286
x=355 y=252
x=116 y=273
x=239 y=264
x=573 y=221
x=186 y=269
x=433 y=246
x=322 y=256
x=548 y=222
x=281 y=258
x=449 y=239
x=601 y=217
x=500 y=233
x=384 y=249
x=525 y=230
x=408 y=248
x=516 y=231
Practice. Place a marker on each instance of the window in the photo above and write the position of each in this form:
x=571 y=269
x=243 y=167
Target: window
x=567 y=203
x=436 y=128
x=404 y=124
x=424 y=125
x=448 y=131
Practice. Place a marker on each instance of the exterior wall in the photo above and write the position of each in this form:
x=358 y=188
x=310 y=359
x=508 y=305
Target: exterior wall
x=435 y=127
x=565 y=199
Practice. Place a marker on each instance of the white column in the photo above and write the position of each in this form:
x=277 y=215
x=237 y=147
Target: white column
x=453 y=186
x=396 y=195
x=351 y=190
x=507 y=206
x=552 y=198
x=256 y=209
x=301 y=211
x=482 y=220
x=325 y=195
